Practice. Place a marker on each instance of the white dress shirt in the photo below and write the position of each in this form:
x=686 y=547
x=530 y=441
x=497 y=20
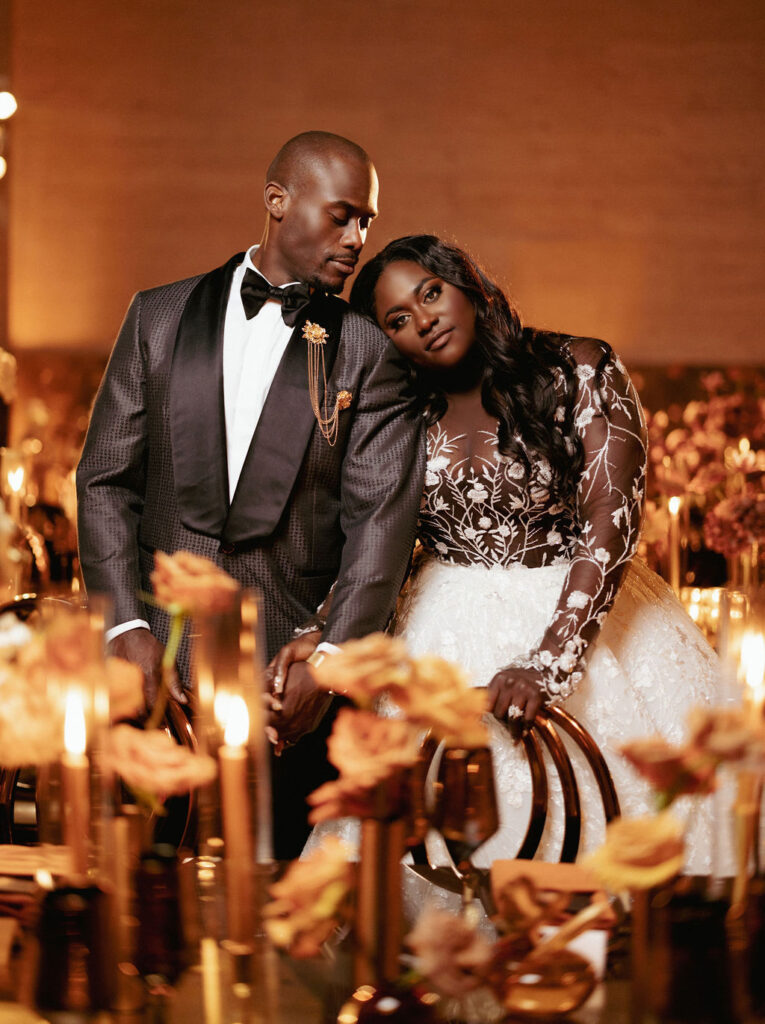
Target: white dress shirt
x=252 y=351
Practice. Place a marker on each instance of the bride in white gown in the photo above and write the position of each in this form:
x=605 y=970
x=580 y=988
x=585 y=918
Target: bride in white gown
x=530 y=518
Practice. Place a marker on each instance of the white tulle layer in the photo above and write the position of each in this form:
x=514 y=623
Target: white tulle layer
x=648 y=667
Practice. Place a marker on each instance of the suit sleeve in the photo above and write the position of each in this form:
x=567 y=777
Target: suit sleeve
x=111 y=475
x=382 y=480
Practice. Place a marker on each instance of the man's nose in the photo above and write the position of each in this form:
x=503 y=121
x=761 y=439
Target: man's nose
x=354 y=236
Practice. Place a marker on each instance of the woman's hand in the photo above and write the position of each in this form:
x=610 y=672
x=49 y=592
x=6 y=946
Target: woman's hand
x=519 y=691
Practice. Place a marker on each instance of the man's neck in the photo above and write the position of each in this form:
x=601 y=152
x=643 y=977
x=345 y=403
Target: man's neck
x=270 y=264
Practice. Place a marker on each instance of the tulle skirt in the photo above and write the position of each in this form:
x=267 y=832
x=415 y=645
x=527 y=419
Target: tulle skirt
x=649 y=665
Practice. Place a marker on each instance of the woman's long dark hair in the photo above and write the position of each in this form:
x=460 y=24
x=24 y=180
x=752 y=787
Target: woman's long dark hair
x=517 y=364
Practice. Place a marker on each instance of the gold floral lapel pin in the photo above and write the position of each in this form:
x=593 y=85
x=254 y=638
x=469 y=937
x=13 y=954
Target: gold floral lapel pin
x=316 y=336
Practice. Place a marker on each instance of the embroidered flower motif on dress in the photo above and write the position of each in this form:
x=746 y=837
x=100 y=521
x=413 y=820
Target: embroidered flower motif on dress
x=480 y=507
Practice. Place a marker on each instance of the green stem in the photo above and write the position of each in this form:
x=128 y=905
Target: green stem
x=177 y=623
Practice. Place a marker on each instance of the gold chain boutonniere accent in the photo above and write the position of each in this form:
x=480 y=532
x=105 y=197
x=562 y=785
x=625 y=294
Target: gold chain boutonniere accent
x=316 y=337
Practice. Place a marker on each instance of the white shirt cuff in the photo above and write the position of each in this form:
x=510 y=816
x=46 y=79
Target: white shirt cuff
x=123 y=627
x=325 y=647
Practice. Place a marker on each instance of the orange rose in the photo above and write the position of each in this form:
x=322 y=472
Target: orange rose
x=638 y=853
x=152 y=762
x=311 y=900
x=440 y=698
x=449 y=952
x=125 y=682
x=726 y=734
x=672 y=771
x=369 y=749
x=187 y=584
x=365 y=669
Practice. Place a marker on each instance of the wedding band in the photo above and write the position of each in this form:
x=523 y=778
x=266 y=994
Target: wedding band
x=514 y=711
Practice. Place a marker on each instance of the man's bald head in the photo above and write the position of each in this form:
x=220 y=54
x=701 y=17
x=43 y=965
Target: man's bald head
x=302 y=156
x=320 y=198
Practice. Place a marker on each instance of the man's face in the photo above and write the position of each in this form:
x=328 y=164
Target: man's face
x=325 y=222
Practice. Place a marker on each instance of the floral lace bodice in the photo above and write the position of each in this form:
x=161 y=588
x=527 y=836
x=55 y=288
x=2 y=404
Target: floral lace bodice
x=480 y=506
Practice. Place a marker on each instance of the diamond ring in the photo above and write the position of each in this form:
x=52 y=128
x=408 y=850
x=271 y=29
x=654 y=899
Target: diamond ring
x=514 y=711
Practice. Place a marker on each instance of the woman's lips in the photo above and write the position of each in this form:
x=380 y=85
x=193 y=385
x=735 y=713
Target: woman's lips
x=439 y=340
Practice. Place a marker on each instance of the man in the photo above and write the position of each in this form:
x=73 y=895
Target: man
x=204 y=436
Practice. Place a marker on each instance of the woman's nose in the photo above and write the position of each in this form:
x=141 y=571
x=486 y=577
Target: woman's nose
x=425 y=319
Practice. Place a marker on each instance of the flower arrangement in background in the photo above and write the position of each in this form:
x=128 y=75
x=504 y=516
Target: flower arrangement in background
x=712 y=451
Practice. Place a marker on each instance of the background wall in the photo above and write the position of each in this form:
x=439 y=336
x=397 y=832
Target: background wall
x=605 y=160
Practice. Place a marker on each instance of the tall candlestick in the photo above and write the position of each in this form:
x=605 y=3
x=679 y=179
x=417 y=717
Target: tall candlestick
x=15 y=480
x=675 y=504
x=753 y=671
x=233 y=763
x=75 y=779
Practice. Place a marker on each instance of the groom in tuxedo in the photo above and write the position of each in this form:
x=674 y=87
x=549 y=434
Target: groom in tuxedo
x=204 y=437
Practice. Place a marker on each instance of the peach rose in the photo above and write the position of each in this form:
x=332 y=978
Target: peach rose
x=311 y=900
x=31 y=719
x=639 y=853
x=150 y=761
x=191 y=585
x=365 y=669
x=672 y=771
x=726 y=734
x=449 y=952
x=368 y=749
x=440 y=698
x=125 y=682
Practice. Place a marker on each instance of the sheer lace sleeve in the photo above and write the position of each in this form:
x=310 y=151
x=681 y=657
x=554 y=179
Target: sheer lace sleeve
x=608 y=419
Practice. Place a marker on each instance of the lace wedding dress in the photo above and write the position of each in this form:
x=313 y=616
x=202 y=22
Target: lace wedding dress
x=510 y=575
x=513 y=576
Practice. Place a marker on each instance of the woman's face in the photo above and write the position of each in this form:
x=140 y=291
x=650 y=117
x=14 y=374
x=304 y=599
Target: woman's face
x=429 y=321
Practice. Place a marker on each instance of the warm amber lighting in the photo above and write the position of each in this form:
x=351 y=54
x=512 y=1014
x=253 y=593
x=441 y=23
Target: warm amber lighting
x=3 y=166
x=75 y=734
x=16 y=479
x=8 y=105
x=233 y=715
x=674 y=505
x=753 y=666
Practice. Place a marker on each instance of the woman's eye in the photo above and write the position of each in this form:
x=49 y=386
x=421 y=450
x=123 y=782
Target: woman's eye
x=397 y=323
x=432 y=293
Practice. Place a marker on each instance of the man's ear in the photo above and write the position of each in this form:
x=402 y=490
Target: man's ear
x=276 y=199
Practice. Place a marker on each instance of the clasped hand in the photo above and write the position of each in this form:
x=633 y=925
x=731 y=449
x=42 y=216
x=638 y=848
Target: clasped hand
x=297 y=704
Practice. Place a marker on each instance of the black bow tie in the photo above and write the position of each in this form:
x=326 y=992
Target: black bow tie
x=256 y=291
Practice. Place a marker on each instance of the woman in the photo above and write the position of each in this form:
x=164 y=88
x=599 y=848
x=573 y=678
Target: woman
x=529 y=521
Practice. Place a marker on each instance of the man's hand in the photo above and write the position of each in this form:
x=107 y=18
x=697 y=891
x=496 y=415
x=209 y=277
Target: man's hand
x=299 y=649
x=143 y=649
x=519 y=688
x=303 y=704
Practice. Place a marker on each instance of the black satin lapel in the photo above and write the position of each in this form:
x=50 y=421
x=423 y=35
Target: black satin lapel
x=283 y=431
x=197 y=415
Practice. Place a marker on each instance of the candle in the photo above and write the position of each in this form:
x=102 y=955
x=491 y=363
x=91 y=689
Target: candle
x=75 y=779
x=233 y=763
x=15 y=478
x=675 y=504
x=753 y=671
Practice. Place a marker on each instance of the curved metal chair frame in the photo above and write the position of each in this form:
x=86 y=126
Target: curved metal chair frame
x=545 y=734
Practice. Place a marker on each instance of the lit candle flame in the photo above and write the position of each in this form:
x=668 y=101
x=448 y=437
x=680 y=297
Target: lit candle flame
x=674 y=505
x=237 y=722
x=16 y=479
x=75 y=733
x=753 y=665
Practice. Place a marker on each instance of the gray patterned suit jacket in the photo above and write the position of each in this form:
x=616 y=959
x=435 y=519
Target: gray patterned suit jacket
x=153 y=470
